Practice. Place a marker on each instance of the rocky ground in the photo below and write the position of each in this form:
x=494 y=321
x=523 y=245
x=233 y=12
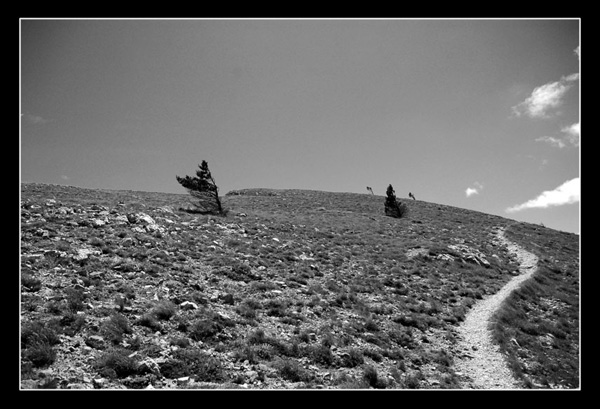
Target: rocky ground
x=292 y=289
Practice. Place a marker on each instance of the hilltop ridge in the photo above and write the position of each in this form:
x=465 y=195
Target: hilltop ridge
x=291 y=289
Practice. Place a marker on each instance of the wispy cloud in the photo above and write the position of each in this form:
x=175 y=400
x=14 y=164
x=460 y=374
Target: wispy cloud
x=551 y=140
x=470 y=191
x=567 y=193
x=33 y=119
x=545 y=98
x=570 y=137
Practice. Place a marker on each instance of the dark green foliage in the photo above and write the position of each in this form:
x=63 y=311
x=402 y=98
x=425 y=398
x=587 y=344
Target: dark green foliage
x=37 y=340
x=75 y=298
x=40 y=355
x=72 y=323
x=180 y=342
x=352 y=358
x=247 y=309
x=195 y=363
x=371 y=325
x=204 y=329
x=209 y=327
x=371 y=377
x=258 y=337
x=30 y=283
x=293 y=372
x=393 y=207
x=246 y=353
x=116 y=363
x=203 y=188
x=114 y=328
x=33 y=333
x=321 y=354
x=164 y=310
x=149 y=321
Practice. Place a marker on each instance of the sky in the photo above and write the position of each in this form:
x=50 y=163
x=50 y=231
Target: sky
x=482 y=114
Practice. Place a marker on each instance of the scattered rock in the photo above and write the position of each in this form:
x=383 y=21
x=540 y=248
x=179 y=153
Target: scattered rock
x=470 y=254
x=84 y=253
x=188 y=305
x=98 y=222
x=124 y=270
x=95 y=341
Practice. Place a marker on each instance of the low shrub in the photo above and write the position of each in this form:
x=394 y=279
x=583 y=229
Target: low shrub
x=71 y=323
x=149 y=321
x=30 y=283
x=257 y=337
x=204 y=329
x=373 y=354
x=180 y=342
x=116 y=363
x=246 y=353
x=352 y=358
x=321 y=354
x=276 y=308
x=35 y=333
x=114 y=328
x=40 y=355
x=37 y=341
x=247 y=309
x=290 y=370
x=164 y=310
x=371 y=325
x=75 y=298
x=371 y=377
x=195 y=363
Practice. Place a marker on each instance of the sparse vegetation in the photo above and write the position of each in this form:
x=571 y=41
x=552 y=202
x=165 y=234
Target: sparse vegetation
x=37 y=345
x=290 y=289
x=116 y=363
x=537 y=328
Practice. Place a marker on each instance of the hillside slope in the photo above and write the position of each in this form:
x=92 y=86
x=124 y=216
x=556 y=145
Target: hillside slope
x=292 y=289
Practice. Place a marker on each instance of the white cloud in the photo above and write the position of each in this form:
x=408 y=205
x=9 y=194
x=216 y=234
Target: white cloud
x=570 y=137
x=545 y=98
x=578 y=51
x=470 y=191
x=567 y=193
x=572 y=132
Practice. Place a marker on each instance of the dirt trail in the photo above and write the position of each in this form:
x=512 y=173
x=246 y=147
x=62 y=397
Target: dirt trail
x=481 y=359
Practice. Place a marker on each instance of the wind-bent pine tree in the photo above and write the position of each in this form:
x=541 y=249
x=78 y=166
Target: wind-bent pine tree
x=204 y=188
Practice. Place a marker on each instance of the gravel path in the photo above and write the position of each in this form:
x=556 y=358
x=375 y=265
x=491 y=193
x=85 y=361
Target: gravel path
x=481 y=360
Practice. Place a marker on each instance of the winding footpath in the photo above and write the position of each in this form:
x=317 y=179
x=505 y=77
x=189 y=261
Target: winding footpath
x=482 y=361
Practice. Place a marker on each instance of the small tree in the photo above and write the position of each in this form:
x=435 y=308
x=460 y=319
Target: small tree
x=204 y=188
x=393 y=207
